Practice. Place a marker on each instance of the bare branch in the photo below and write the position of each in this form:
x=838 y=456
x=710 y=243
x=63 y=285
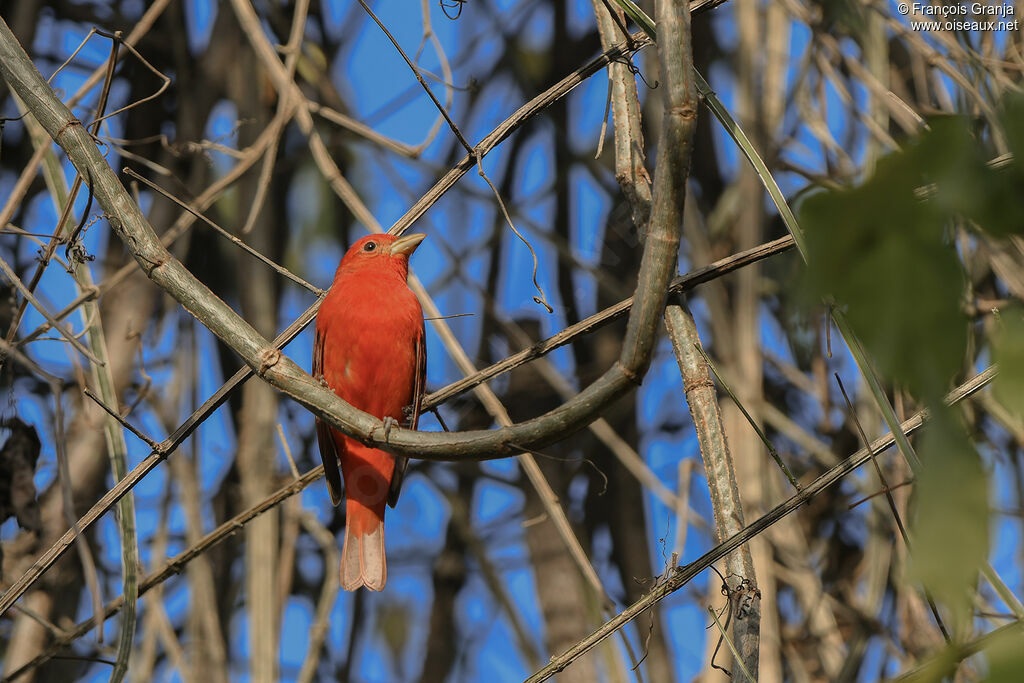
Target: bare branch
x=683 y=575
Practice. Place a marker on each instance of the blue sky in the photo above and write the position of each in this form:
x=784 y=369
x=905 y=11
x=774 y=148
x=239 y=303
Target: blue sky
x=369 y=74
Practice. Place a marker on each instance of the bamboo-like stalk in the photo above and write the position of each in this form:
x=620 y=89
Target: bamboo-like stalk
x=630 y=171
x=744 y=596
x=144 y=662
x=103 y=378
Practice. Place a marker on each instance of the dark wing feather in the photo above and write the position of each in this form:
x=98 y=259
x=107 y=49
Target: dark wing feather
x=419 y=388
x=324 y=437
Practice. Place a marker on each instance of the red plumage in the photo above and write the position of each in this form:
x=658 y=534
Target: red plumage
x=370 y=351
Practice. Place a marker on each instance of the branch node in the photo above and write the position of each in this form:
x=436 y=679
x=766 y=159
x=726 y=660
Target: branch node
x=153 y=266
x=686 y=112
x=632 y=376
x=73 y=122
x=693 y=385
x=268 y=359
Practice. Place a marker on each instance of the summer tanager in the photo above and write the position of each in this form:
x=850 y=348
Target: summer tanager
x=369 y=350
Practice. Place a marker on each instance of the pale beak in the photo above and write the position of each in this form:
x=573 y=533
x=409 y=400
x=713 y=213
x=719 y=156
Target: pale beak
x=406 y=245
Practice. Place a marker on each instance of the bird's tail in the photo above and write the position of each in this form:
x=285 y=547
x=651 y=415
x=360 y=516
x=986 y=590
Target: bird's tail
x=362 y=556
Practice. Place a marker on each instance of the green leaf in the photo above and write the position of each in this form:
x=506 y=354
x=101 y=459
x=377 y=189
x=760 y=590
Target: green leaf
x=965 y=183
x=950 y=533
x=1002 y=652
x=1005 y=657
x=882 y=249
x=882 y=252
x=1008 y=349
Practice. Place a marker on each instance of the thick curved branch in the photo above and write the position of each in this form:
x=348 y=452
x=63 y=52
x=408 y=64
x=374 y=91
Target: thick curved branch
x=133 y=229
x=128 y=222
x=675 y=146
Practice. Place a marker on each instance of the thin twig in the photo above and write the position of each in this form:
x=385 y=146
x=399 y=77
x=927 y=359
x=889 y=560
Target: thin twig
x=174 y=566
x=685 y=469
x=511 y=124
x=25 y=292
x=542 y=299
x=159 y=454
x=103 y=379
x=732 y=648
x=281 y=270
x=292 y=50
x=64 y=479
x=328 y=594
x=123 y=422
x=682 y=283
x=430 y=93
x=874 y=461
x=892 y=503
x=287 y=451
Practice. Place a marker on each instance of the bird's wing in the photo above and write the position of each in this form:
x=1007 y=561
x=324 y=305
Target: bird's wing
x=419 y=388
x=324 y=436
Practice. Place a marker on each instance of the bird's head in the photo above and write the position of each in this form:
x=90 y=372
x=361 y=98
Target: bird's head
x=381 y=252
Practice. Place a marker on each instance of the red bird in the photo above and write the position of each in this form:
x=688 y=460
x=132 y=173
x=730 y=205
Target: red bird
x=369 y=350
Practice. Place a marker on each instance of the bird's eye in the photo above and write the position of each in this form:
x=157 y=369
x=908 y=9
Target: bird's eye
x=369 y=246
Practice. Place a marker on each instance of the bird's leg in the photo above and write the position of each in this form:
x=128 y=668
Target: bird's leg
x=389 y=422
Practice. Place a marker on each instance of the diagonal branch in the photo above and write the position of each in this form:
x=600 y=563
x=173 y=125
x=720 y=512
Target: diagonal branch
x=680 y=578
x=175 y=565
x=683 y=575
x=679 y=285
